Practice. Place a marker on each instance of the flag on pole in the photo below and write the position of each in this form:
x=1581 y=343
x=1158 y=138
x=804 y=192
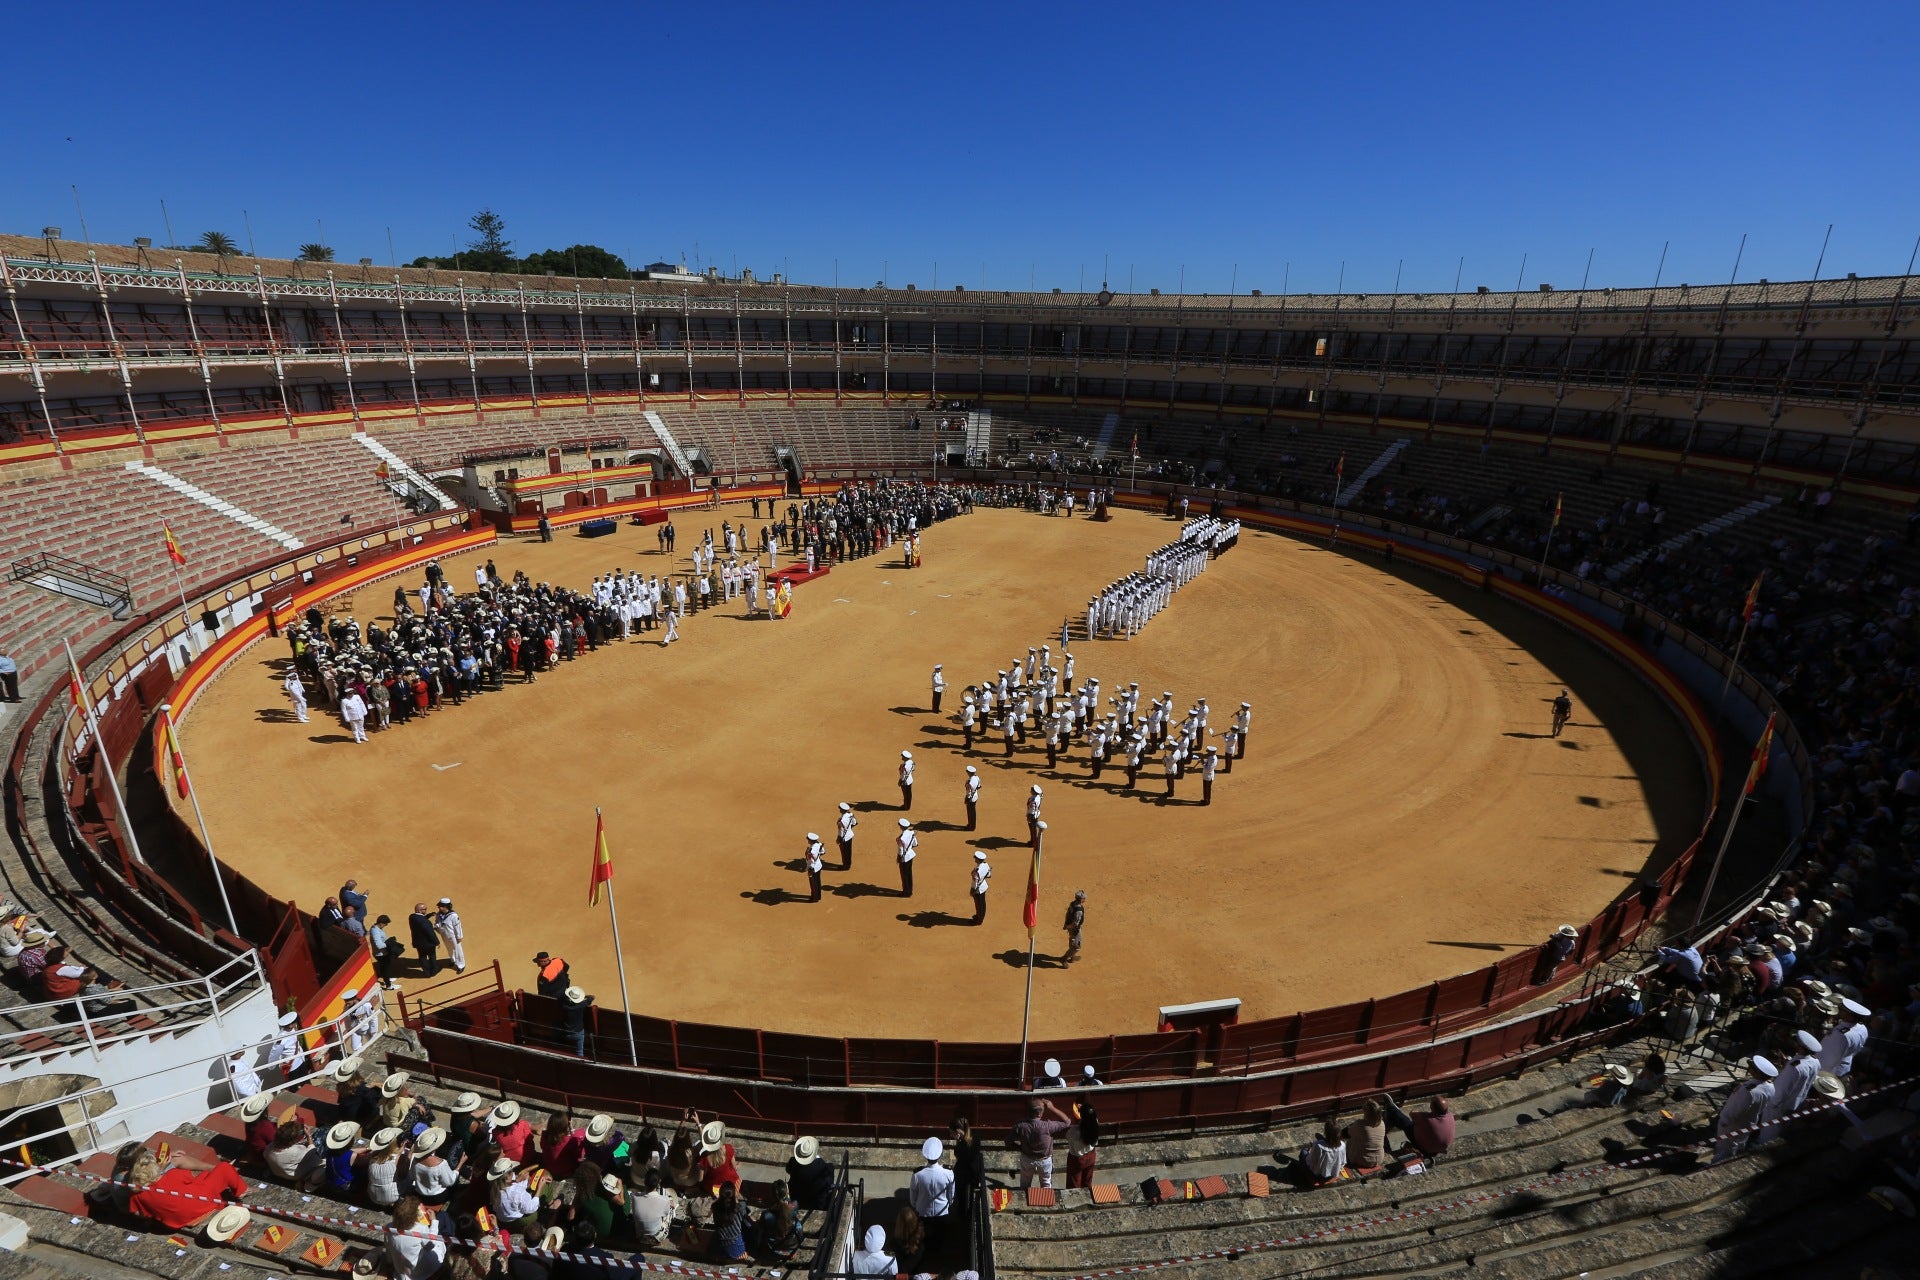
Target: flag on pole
x=1031 y=912
x=1136 y=442
x=1340 y=468
x=1760 y=752
x=1557 y=500
x=1753 y=600
x=174 y=553
x=382 y=472
x=75 y=684
x=180 y=782
x=602 y=861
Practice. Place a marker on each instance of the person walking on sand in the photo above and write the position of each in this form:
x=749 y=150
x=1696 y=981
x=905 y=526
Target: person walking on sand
x=1076 y=920
x=1562 y=712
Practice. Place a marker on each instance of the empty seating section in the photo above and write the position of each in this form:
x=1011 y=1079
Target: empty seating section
x=314 y=490
x=108 y=519
x=823 y=437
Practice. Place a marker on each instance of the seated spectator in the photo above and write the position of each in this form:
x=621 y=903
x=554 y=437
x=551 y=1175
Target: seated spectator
x=1651 y=1078
x=716 y=1157
x=1611 y=1091
x=415 y=1250
x=729 y=1224
x=337 y=1176
x=512 y=1132
x=1680 y=965
x=292 y=1157
x=261 y=1128
x=432 y=1175
x=606 y=1146
x=1431 y=1133
x=562 y=1147
x=382 y=1170
x=810 y=1177
x=778 y=1232
x=652 y=1212
x=515 y=1206
x=182 y=1193
x=15 y=923
x=1367 y=1140
x=358 y=1100
x=1325 y=1158
x=399 y=1109
x=872 y=1258
x=464 y=1131
x=33 y=955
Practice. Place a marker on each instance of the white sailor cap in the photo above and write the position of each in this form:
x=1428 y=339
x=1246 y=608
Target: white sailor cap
x=1857 y=1009
x=906 y=755
x=979 y=855
x=905 y=823
x=1765 y=1067
x=813 y=836
x=845 y=807
x=1808 y=1042
x=970 y=769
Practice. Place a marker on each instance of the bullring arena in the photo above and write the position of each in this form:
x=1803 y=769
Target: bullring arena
x=1411 y=887
x=1402 y=773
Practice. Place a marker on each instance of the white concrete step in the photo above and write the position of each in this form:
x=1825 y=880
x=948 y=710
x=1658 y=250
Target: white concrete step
x=1710 y=527
x=214 y=503
x=400 y=470
x=1379 y=464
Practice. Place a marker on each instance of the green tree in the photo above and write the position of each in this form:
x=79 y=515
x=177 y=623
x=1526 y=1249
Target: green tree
x=316 y=253
x=217 y=242
x=587 y=261
x=490 y=250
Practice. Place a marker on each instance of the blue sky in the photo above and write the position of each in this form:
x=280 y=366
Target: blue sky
x=1013 y=144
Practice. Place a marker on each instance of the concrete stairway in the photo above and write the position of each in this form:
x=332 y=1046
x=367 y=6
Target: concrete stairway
x=1707 y=530
x=1358 y=483
x=400 y=469
x=225 y=508
x=671 y=445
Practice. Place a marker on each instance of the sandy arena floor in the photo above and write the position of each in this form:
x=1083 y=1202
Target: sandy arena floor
x=1401 y=815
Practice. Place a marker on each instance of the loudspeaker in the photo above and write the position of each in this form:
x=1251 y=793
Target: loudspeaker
x=210 y=621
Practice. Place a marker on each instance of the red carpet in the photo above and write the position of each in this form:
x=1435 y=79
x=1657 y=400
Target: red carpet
x=797 y=575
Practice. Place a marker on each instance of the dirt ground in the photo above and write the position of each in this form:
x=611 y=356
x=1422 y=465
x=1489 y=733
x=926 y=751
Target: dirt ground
x=1401 y=814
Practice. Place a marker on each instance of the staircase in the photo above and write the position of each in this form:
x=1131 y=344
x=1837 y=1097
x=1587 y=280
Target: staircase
x=395 y=467
x=79 y=581
x=1374 y=468
x=672 y=446
x=1109 y=427
x=1711 y=527
x=225 y=508
x=979 y=434
x=1493 y=514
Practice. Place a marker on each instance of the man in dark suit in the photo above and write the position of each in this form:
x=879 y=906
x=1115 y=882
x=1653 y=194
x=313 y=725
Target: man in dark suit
x=426 y=940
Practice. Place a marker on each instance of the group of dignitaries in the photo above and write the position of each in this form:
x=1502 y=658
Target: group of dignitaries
x=860 y=520
x=457 y=646
x=1125 y=606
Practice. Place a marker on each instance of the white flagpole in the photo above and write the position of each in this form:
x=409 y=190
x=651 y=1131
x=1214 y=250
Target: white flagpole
x=1026 y=1016
x=1733 y=663
x=113 y=782
x=173 y=731
x=179 y=584
x=619 y=957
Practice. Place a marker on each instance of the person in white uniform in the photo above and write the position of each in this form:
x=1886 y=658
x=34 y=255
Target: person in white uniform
x=843 y=835
x=1846 y=1040
x=353 y=710
x=907 y=847
x=1745 y=1106
x=453 y=935
x=298 y=692
x=982 y=873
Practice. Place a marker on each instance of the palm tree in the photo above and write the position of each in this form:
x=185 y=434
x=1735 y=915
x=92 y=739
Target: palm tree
x=217 y=242
x=316 y=253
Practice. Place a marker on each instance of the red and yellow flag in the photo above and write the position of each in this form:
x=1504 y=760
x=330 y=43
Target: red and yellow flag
x=180 y=782
x=602 y=861
x=75 y=684
x=1031 y=912
x=1558 y=498
x=1760 y=752
x=1753 y=599
x=174 y=553
x=382 y=472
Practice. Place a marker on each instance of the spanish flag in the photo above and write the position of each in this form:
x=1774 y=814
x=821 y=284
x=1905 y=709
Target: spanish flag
x=1761 y=750
x=381 y=472
x=174 y=553
x=180 y=782
x=1031 y=912
x=1557 y=499
x=602 y=861
x=1753 y=599
x=75 y=683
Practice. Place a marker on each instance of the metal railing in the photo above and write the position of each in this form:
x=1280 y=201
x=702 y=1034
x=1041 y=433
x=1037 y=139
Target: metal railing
x=170 y=1006
x=86 y=1134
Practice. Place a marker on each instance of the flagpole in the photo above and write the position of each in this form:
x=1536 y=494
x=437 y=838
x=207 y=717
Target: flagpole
x=619 y=957
x=93 y=727
x=1754 y=771
x=1026 y=1016
x=180 y=763
x=179 y=584
x=1540 y=566
x=1733 y=663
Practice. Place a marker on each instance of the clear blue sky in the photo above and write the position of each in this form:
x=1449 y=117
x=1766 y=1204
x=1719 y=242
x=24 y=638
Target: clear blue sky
x=1018 y=142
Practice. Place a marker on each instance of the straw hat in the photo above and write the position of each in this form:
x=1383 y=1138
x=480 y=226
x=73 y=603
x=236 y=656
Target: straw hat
x=554 y=1241
x=504 y=1116
x=806 y=1151
x=502 y=1170
x=393 y=1084
x=466 y=1104
x=227 y=1223
x=576 y=995
x=1830 y=1086
x=431 y=1139
x=713 y=1136
x=1619 y=1074
x=342 y=1135
x=255 y=1107
x=610 y=1184
x=599 y=1129
x=1567 y=931
x=385 y=1139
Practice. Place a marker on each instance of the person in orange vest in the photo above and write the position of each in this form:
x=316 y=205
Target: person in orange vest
x=554 y=979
